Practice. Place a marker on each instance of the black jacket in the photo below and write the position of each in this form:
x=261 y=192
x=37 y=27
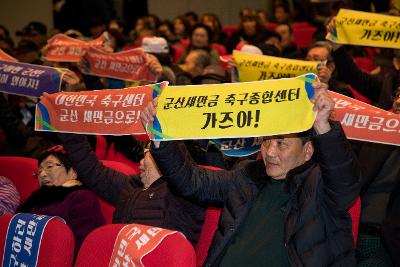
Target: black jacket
x=157 y=206
x=318 y=226
x=378 y=88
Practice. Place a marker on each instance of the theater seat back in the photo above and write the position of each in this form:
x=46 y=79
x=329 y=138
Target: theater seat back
x=57 y=246
x=173 y=251
x=20 y=170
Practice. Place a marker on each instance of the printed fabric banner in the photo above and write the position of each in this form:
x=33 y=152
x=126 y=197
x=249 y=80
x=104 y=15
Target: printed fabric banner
x=115 y=111
x=6 y=57
x=238 y=147
x=135 y=241
x=28 y=79
x=23 y=239
x=364 y=122
x=257 y=67
x=126 y=65
x=62 y=48
x=364 y=28
x=235 y=109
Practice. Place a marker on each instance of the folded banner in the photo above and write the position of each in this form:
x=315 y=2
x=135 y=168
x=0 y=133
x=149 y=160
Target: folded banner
x=235 y=109
x=23 y=239
x=364 y=28
x=256 y=67
x=127 y=65
x=62 y=48
x=6 y=57
x=28 y=79
x=238 y=147
x=364 y=122
x=115 y=111
x=135 y=241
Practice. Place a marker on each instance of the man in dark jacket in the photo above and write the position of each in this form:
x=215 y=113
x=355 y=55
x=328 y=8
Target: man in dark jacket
x=284 y=210
x=144 y=199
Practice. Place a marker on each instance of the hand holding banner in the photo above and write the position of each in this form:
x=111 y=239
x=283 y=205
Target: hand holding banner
x=62 y=48
x=127 y=65
x=256 y=67
x=113 y=111
x=28 y=79
x=235 y=110
x=364 y=28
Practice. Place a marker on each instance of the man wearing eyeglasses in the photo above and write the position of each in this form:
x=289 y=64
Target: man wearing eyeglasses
x=288 y=209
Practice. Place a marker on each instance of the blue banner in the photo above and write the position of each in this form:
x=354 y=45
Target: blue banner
x=24 y=235
x=238 y=147
x=28 y=79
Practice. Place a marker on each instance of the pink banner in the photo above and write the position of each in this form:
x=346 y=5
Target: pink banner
x=6 y=57
x=127 y=65
x=62 y=48
x=115 y=112
x=364 y=122
x=135 y=241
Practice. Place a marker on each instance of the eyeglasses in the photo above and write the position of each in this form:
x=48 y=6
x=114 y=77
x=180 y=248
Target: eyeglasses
x=47 y=168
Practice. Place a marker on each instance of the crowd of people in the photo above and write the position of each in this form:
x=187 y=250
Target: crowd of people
x=286 y=208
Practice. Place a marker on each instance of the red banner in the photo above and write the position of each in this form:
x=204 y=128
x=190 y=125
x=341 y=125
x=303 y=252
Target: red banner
x=115 y=112
x=135 y=241
x=6 y=57
x=364 y=122
x=62 y=48
x=127 y=65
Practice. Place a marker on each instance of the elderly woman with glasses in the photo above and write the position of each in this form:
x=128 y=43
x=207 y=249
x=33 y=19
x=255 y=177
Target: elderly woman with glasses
x=62 y=194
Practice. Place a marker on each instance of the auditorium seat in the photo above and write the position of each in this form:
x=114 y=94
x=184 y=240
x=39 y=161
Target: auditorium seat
x=57 y=245
x=173 y=251
x=20 y=170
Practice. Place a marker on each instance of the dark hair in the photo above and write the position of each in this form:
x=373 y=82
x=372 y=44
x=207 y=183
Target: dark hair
x=287 y=24
x=60 y=155
x=217 y=22
x=305 y=136
x=260 y=29
x=282 y=5
x=193 y=15
x=205 y=27
x=323 y=44
x=7 y=33
x=185 y=23
x=203 y=59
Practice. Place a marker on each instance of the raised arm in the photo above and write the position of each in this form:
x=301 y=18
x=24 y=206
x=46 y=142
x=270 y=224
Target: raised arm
x=339 y=168
x=106 y=182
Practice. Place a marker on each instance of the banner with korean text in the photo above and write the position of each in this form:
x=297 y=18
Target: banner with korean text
x=364 y=28
x=6 y=57
x=62 y=48
x=135 y=241
x=28 y=79
x=257 y=67
x=115 y=111
x=234 y=110
x=364 y=122
x=127 y=65
x=23 y=239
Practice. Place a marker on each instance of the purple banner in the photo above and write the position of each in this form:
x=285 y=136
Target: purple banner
x=29 y=80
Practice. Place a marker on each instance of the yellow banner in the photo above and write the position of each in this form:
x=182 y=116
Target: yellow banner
x=257 y=68
x=258 y=108
x=369 y=29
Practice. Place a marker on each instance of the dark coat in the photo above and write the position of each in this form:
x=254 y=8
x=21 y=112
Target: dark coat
x=317 y=224
x=79 y=208
x=157 y=206
x=378 y=88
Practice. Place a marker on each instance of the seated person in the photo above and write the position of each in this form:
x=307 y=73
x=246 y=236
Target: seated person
x=144 y=199
x=9 y=196
x=62 y=194
x=288 y=209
